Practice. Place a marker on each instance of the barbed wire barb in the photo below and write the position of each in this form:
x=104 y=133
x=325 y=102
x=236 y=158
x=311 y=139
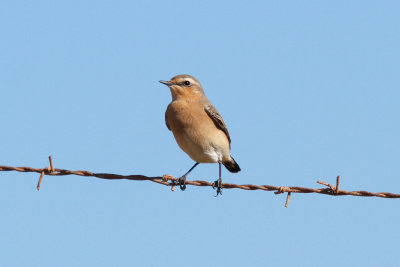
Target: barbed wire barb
x=50 y=168
x=169 y=180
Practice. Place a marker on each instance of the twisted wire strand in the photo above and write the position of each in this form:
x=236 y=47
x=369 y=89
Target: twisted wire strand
x=171 y=181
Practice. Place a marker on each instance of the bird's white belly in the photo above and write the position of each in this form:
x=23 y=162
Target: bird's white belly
x=206 y=151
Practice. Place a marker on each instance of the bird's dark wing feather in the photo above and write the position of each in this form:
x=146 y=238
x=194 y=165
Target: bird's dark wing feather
x=166 y=121
x=217 y=119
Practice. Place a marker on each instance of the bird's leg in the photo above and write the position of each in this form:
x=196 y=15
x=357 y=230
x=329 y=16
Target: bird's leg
x=218 y=184
x=182 y=180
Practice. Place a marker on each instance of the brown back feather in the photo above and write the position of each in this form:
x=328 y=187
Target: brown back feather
x=217 y=119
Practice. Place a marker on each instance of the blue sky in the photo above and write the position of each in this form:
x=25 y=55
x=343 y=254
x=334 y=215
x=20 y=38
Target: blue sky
x=309 y=90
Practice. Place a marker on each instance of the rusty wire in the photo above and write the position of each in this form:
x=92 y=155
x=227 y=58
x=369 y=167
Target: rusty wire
x=169 y=180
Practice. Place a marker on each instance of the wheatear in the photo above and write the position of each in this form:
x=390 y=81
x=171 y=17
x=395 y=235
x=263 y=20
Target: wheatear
x=197 y=126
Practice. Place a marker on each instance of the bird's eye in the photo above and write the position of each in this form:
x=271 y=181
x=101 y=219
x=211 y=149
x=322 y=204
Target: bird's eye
x=187 y=83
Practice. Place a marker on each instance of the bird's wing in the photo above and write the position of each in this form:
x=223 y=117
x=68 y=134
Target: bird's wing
x=166 y=120
x=217 y=119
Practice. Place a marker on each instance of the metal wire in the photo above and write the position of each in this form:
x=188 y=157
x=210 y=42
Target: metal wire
x=168 y=180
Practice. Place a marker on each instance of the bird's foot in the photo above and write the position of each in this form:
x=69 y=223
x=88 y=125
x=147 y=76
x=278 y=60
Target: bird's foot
x=182 y=182
x=218 y=185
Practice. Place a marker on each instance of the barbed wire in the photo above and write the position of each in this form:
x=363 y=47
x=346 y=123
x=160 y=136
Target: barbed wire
x=169 y=180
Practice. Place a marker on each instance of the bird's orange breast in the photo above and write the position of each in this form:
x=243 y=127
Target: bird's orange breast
x=195 y=132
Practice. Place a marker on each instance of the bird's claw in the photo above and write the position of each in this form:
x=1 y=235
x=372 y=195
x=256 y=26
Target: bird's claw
x=182 y=183
x=218 y=185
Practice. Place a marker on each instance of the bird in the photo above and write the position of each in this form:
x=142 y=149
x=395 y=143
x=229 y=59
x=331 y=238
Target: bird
x=198 y=128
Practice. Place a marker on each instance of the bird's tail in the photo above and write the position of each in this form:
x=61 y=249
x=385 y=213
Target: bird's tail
x=231 y=165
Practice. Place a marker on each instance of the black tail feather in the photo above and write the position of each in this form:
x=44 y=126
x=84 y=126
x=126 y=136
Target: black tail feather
x=231 y=165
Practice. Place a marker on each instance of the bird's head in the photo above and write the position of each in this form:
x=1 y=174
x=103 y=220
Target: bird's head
x=185 y=87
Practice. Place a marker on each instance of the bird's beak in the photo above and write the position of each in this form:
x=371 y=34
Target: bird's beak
x=168 y=83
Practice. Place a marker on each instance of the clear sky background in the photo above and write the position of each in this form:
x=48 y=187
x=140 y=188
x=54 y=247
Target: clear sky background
x=309 y=90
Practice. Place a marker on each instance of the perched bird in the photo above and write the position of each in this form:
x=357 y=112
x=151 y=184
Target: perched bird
x=197 y=126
